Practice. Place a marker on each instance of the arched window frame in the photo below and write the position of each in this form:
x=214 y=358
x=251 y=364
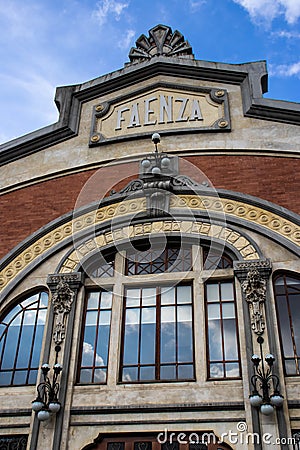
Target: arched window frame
x=124 y=281
x=32 y=306
x=294 y=354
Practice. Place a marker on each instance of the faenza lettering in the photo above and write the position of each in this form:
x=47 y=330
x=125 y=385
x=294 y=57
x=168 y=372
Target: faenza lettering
x=158 y=110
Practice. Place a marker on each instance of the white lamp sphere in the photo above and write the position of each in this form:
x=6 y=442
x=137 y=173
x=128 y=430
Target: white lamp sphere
x=266 y=409
x=277 y=400
x=255 y=400
x=165 y=162
x=37 y=406
x=54 y=407
x=43 y=415
x=156 y=170
x=146 y=163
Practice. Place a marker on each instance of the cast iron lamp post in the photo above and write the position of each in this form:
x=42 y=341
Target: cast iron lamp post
x=266 y=394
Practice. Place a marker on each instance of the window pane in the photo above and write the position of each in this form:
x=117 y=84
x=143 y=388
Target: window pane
x=216 y=371
x=214 y=311
x=228 y=311
x=149 y=296
x=133 y=297
x=100 y=375
x=215 y=340
x=184 y=294
x=232 y=370
x=167 y=296
x=230 y=341
x=153 y=350
x=85 y=376
x=185 y=372
x=147 y=373
x=106 y=299
x=148 y=336
x=168 y=373
x=212 y=292
x=95 y=344
x=227 y=291
x=130 y=374
x=20 y=377
x=93 y=300
x=168 y=334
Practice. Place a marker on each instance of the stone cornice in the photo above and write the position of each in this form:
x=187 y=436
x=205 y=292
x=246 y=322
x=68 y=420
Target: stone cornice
x=252 y=77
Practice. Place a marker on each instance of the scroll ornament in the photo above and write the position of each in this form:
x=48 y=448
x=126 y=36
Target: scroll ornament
x=62 y=300
x=254 y=288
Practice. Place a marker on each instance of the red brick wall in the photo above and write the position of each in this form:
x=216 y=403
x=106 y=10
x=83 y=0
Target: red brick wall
x=26 y=210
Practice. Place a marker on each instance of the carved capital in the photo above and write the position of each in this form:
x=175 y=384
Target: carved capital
x=253 y=277
x=63 y=288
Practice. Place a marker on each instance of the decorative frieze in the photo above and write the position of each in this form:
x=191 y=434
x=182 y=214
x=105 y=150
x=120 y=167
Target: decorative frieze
x=63 y=288
x=253 y=277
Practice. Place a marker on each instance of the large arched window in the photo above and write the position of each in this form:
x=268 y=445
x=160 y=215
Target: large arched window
x=157 y=341
x=287 y=294
x=21 y=334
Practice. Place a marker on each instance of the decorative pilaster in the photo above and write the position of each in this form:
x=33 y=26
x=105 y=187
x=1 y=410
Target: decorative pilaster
x=63 y=288
x=253 y=277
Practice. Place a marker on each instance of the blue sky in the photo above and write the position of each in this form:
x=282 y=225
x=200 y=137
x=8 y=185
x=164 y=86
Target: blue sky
x=50 y=43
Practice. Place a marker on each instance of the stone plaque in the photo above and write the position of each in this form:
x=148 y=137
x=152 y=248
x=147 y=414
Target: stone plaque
x=165 y=109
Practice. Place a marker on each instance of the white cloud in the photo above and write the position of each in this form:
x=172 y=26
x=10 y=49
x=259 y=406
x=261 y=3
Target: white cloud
x=196 y=4
x=127 y=39
x=107 y=7
x=286 y=70
x=267 y=10
x=287 y=34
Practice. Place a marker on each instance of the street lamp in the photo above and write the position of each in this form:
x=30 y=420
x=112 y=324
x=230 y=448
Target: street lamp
x=46 y=402
x=265 y=394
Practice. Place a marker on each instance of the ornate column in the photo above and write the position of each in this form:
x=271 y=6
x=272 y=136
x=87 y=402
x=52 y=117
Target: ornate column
x=64 y=289
x=253 y=277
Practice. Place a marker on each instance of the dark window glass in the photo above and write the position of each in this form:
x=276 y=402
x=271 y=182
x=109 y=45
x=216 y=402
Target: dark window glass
x=287 y=294
x=18 y=442
x=158 y=334
x=159 y=261
x=223 y=352
x=213 y=259
x=21 y=334
x=96 y=334
x=105 y=269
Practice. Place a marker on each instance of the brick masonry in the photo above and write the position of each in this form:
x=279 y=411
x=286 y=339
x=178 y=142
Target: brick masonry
x=26 y=210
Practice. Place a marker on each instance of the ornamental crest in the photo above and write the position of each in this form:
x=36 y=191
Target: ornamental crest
x=161 y=41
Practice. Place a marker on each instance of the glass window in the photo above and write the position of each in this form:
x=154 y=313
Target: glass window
x=158 y=261
x=287 y=295
x=21 y=335
x=223 y=351
x=158 y=334
x=95 y=340
x=214 y=259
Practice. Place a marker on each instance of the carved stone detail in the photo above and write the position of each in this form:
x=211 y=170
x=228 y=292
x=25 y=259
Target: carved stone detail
x=63 y=288
x=161 y=41
x=278 y=225
x=253 y=276
x=254 y=288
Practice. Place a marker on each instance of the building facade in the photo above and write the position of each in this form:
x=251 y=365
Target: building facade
x=150 y=262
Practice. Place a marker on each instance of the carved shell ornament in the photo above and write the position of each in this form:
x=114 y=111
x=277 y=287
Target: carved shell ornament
x=161 y=41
